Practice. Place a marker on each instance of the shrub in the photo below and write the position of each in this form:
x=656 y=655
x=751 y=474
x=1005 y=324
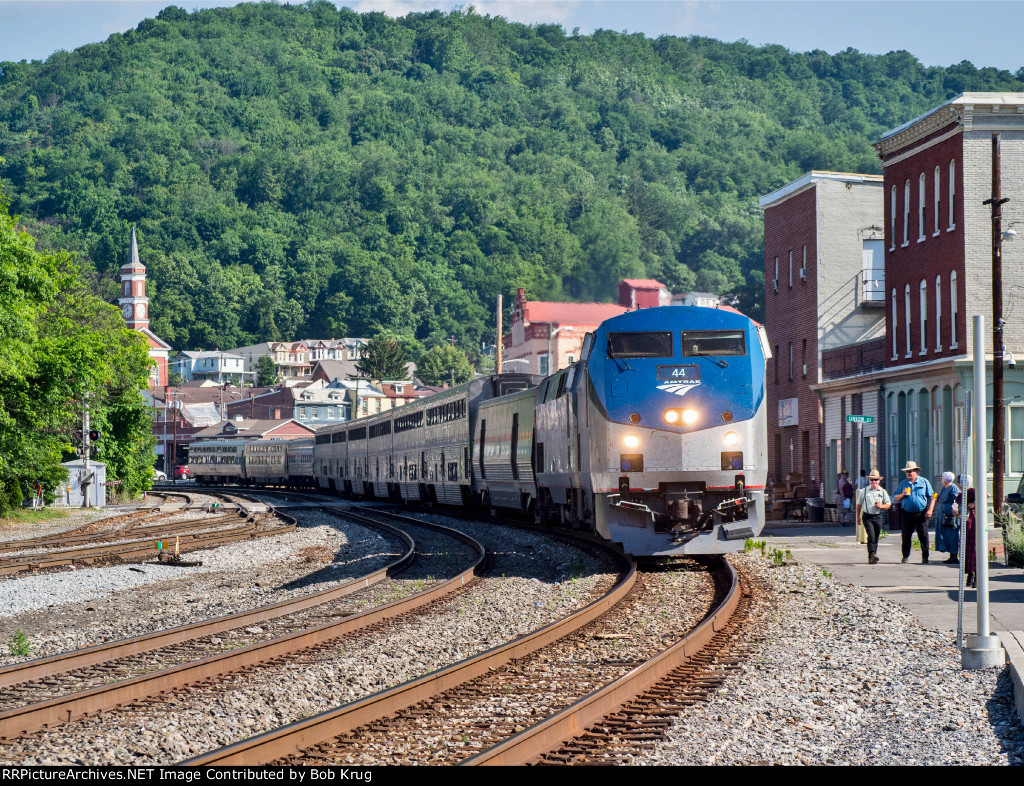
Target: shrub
x=1013 y=538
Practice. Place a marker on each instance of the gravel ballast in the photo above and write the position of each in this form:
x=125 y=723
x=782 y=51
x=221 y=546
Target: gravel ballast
x=843 y=676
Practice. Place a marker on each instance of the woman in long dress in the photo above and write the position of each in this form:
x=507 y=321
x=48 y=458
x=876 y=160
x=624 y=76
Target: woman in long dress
x=947 y=533
x=970 y=548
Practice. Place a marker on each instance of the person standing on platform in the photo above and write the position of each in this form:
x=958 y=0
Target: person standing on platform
x=870 y=504
x=917 y=500
x=947 y=533
x=970 y=547
x=846 y=489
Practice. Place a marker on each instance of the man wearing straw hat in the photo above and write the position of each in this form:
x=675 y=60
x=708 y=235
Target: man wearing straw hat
x=917 y=499
x=871 y=501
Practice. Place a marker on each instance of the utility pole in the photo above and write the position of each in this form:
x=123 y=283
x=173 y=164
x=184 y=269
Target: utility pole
x=85 y=480
x=497 y=347
x=998 y=413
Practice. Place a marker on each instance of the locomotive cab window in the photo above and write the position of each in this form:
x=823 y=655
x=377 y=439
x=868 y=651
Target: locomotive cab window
x=714 y=342
x=640 y=345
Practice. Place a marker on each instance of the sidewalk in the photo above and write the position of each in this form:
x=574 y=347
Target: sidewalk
x=929 y=591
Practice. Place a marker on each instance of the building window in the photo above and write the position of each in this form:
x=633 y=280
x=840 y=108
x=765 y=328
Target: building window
x=776 y=364
x=803 y=268
x=924 y=316
x=912 y=426
x=791 y=268
x=804 y=360
x=920 y=208
x=906 y=214
x=938 y=313
x=893 y=435
x=542 y=365
x=952 y=196
x=892 y=219
x=895 y=352
x=954 y=325
x=906 y=315
x=775 y=281
x=873 y=270
x=937 y=198
x=790 y=361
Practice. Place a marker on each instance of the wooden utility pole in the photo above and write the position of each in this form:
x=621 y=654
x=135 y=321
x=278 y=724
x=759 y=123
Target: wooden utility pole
x=998 y=413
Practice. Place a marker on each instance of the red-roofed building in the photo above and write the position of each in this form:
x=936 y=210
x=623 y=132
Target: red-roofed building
x=643 y=293
x=544 y=330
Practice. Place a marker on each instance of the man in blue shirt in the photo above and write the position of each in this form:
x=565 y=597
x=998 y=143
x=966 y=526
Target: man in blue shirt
x=917 y=500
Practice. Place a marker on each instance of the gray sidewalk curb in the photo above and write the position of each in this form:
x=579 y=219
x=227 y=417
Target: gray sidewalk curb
x=1013 y=643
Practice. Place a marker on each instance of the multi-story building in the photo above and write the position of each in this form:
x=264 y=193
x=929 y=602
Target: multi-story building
x=291 y=359
x=546 y=336
x=823 y=294
x=935 y=233
x=219 y=367
x=938 y=264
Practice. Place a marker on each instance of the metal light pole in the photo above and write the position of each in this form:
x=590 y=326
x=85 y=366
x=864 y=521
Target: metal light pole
x=85 y=480
x=982 y=650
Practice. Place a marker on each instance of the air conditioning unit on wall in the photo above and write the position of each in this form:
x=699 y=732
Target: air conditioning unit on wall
x=803 y=274
x=775 y=284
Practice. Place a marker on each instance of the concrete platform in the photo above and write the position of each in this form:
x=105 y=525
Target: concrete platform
x=929 y=591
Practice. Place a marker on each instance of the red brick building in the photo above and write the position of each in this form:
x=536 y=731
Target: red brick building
x=823 y=247
x=938 y=174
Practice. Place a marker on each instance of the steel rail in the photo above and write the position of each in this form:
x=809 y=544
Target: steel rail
x=137 y=549
x=528 y=745
x=23 y=720
x=101 y=653
x=301 y=735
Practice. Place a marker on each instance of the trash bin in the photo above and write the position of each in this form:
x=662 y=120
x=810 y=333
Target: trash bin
x=815 y=510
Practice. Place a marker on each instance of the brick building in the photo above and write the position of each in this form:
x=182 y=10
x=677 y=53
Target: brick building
x=134 y=306
x=938 y=174
x=823 y=261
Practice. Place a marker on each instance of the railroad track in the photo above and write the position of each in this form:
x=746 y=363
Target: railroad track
x=58 y=689
x=521 y=702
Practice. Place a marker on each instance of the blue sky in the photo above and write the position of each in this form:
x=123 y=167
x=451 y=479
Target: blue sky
x=937 y=33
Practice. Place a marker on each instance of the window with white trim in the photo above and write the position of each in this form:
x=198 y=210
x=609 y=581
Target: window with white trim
x=912 y=426
x=895 y=324
x=923 y=302
x=906 y=315
x=776 y=279
x=791 y=268
x=893 y=433
x=892 y=219
x=937 y=199
x=906 y=213
x=938 y=313
x=920 y=208
x=790 y=361
x=952 y=196
x=954 y=325
x=936 y=426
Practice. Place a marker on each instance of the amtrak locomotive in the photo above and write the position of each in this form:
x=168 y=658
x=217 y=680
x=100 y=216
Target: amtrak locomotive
x=654 y=439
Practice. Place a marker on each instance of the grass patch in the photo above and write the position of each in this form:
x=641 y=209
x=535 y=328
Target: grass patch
x=1013 y=538
x=37 y=516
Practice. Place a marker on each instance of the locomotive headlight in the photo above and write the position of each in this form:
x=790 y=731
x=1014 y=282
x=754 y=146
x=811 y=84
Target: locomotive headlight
x=631 y=441
x=671 y=416
x=689 y=416
x=731 y=439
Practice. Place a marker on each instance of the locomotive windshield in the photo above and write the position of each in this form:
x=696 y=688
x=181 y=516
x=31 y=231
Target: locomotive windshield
x=640 y=345
x=714 y=342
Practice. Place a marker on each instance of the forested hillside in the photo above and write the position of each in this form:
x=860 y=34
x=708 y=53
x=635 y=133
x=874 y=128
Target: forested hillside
x=304 y=171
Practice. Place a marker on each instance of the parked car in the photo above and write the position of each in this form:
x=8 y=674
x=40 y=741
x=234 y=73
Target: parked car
x=159 y=474
x=181 y=472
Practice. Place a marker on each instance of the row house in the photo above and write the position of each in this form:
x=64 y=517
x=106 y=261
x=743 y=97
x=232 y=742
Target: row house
x=933 y=231
x=823 y=293
x=217 y=366
x=340 y=349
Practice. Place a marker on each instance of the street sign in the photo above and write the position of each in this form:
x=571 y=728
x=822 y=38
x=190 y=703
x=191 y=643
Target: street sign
x=859 y=419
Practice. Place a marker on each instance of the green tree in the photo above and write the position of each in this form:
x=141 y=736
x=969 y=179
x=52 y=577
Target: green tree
x=444 y=363
x=266 y=372
x=383 y=358
x=60 y=346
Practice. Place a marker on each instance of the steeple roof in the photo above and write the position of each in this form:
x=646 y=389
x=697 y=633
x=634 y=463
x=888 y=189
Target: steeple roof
x=133 y=255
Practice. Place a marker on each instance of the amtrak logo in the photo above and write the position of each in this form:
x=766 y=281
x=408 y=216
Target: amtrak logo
x=678 y=388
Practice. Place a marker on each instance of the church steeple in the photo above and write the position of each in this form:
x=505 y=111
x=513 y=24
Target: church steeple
x=133 y=301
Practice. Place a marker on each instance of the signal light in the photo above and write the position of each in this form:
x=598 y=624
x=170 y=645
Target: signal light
x=94 y=435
